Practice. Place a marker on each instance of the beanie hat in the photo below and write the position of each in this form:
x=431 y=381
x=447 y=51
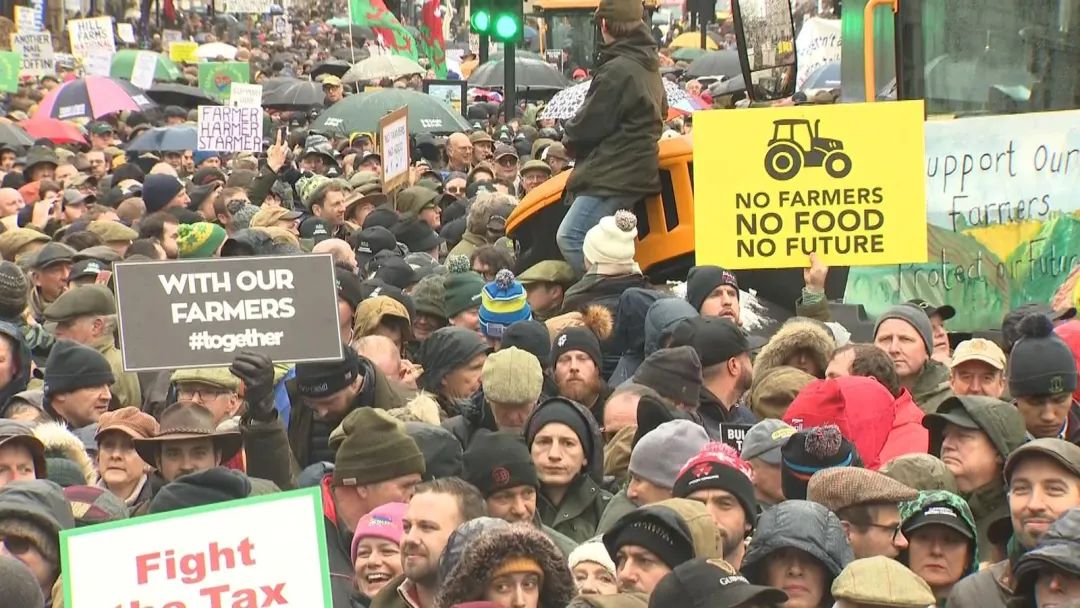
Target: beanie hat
x=93 y=505
x=72 y=366
x=158 y=189
x=718 y=467
x=375 y=448
x=242 y=217
x=429 y=294
x=497 y=461
x=530 y=336
x=662 y=452
x=564 y=411
x=915 y=317
x=445 y=350
x=441 y=448
x=702 y=280
x=382 y=522
x=576 y=338
x=1040 y=363
x=462 y=286
x=502 y=302
x=592 y=551
x=641 y=528
x=675 y=373
x=13 y=290
x=324 y=378
x=64 y=472
x=21 y=589
x=512 y=377
x=200 y=240
x=611 y=241
x=201 y=488
x=516 y=564
x=810 y=451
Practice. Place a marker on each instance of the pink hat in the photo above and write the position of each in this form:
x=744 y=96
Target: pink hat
x=383 y=522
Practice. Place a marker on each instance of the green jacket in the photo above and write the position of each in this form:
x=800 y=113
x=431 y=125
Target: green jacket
x=579 y=513
x=931 y=387
x=988 y=505
x=565 y=544
x=126 y=387
x=614 y=136
x=468 y=244
x=389 y=597
x=268 y=456
x=620 y=505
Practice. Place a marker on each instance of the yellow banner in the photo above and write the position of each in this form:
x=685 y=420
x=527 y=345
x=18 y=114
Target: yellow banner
x=773 y=185
x=184 y=52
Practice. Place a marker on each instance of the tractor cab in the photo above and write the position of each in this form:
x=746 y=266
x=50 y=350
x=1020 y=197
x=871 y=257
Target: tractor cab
x=568 y=27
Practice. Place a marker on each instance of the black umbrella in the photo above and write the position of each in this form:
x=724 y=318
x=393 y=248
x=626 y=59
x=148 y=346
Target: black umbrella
x=284 y=57
x=716 y=63
x=291 y=93
x=530 y=74
x=169 y=94
x=14 y=136
x=337 y=67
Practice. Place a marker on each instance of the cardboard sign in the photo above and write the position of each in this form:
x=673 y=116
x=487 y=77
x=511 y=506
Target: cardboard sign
x=91 y=37
x=283 y=29
x=201 y=557
x=143 y=68
x=37 y=53
x=10 y=66
x=229 y=129
x=733 y=434
x=99 y=64
x=818 y=43
x=248 y=6
x=125 y=32
x=25 y=20
x=216 y=77
x=394 y=147
x=203 y=312
x=245 y=95
x=807 y=179
x=169 y=37
x=184 y=52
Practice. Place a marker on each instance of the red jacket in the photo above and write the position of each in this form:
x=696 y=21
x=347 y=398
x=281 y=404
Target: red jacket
x=880 y=426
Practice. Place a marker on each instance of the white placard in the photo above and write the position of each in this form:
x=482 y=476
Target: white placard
x=227 y=129
x=248 y=6
x=170 y=36
x=142 y=71
x=245 y=95
x=394 y=138
x=201 y=557
x=818 y=43
x=125 y=32
x=283 y=29
x=91 y=37
x=37 y=52
x=25 y=20
x=98 y=64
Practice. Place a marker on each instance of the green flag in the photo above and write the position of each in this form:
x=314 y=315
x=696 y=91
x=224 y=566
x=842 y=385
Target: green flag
x=216 y=77
x=10 y=66
x=393 y=35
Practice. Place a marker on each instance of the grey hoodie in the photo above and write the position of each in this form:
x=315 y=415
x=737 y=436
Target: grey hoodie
x=798 y=524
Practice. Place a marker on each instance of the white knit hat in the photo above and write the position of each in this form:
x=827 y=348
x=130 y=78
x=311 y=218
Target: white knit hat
x=612 y=240
x=593 y=551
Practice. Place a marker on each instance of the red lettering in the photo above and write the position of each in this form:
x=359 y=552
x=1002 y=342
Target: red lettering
x=274 y=595
x=143 y=566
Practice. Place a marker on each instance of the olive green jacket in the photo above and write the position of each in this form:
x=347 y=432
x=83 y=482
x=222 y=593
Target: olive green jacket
x=579 y=513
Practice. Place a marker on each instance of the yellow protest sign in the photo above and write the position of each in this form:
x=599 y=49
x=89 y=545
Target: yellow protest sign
x=846 y=181
x=183 y=52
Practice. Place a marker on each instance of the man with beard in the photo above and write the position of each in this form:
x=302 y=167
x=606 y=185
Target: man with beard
x=436 y=509
x=717 y=478
x=500 y=466
x=164 y=228
x=714 y=292
x=725 y=368
x=576 y=362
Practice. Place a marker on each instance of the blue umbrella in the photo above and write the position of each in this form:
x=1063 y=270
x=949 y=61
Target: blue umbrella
x=165 y=139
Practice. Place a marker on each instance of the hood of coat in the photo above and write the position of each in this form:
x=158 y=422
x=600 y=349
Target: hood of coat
x=62 y=443
x=1059 y=548
x=796 y=334
x=22 y=362
x=662 y=318
x=639 y=46
x=687 y=518
x=618 y=600
x=634 y=306
x=468 y=580
x=911 y=508
x=798 y=524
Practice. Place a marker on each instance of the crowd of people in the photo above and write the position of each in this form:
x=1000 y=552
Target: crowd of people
x=563 y=434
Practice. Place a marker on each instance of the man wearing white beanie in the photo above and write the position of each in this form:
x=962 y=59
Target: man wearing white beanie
x=610 y=268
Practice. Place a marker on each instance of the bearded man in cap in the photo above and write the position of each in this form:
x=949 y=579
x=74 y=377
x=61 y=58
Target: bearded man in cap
x=614 y=135
x=87 y=315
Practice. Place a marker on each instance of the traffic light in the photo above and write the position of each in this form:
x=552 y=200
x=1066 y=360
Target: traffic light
x=480 y=19
x=508 y=21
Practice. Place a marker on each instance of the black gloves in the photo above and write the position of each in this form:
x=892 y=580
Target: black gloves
x=256 y=372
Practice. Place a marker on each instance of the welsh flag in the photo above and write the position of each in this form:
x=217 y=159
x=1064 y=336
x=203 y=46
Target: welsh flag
x=431 y=36
x=392 y=35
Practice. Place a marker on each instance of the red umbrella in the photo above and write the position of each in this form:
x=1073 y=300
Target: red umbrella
x=56 y=131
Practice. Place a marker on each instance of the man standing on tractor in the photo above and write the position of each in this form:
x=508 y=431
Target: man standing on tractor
x=614 y=135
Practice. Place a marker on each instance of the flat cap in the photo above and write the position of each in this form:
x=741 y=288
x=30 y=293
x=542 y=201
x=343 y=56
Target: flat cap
x=81 y=301
x=841 y=487
x=12 y=242
x=1065 y=453
x=881 y=581
x=220 y=377
x=549 y=271
x=270 y=216
x=111 y=231
x=535 y=165
x=52 y=253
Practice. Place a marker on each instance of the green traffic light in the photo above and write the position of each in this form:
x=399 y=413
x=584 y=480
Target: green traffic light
x=481 y=21
x=506 y=27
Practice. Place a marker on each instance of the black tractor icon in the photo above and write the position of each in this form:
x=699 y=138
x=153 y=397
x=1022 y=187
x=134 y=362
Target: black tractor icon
x=794 y=145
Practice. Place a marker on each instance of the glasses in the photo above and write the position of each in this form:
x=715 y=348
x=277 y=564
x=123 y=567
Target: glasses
x=189 y=393
x=16 y=545
x=892 y=529
x=456 y=190
x=507 y=161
